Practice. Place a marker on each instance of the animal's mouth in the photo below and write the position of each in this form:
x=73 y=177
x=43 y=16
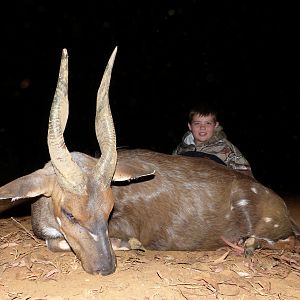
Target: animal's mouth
x=108 y=271
x=106 y=267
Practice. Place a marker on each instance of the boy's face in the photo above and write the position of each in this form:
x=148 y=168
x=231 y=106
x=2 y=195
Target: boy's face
x=203 y=127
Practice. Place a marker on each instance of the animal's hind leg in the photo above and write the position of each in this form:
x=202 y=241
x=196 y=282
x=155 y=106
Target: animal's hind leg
x=131 y=244
x=266 y=233
x=246 y=217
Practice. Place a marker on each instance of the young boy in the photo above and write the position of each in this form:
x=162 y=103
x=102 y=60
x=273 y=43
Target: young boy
x=207 y=138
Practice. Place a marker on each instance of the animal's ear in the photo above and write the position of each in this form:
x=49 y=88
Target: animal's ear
x=35 y=184
x=126 y=171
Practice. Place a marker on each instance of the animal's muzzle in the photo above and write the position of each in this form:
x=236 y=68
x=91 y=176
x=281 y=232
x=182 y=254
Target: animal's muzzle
x=105 y=262
x=108 y=271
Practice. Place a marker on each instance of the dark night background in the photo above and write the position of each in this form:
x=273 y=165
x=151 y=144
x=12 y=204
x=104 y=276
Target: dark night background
x=241 y=56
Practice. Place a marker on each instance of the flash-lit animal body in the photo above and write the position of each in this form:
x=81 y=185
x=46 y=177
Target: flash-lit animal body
x=167 y=202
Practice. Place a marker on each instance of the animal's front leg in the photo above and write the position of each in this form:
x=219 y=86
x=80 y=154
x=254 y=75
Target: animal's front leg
x=131 y=244
x=58 y=245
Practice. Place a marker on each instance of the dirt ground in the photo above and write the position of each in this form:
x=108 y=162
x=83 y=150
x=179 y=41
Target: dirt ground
x=28 y=270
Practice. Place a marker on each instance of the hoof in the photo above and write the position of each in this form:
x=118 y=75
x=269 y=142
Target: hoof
x=135 y=244
x=58 y=245
x=250 y=245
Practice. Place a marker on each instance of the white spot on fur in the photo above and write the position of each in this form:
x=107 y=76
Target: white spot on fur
x=243 y=202
x=276 y=225
x=94 y=236
x=267 y=219
x=227 y=216
x=254 y=190
x=51 y=232
x=269 y=241
x=58 y=221
x=14 y=198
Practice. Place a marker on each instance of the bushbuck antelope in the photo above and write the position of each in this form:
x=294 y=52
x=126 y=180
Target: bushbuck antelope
x=92 y=206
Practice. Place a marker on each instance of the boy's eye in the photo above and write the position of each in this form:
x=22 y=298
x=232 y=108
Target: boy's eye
x=204 y=124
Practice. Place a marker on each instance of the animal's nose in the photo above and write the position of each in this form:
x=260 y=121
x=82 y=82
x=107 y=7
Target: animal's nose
x=107 y=272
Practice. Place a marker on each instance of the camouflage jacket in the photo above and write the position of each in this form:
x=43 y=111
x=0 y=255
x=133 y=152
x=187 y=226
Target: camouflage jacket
x=219 y=146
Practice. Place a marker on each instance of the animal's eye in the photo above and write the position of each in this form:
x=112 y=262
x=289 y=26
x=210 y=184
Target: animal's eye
x=69 y=216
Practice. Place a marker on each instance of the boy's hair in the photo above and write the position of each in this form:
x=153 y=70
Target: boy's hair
x=202 y=110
